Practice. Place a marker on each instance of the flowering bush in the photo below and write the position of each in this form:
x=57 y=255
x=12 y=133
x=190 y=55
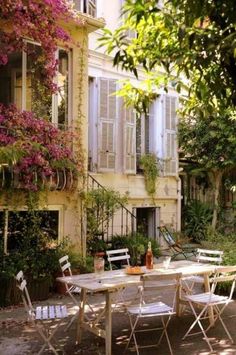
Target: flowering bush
x=38 y=20
x=34 y=148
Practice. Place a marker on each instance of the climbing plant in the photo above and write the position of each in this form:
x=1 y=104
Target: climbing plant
x=151 y=172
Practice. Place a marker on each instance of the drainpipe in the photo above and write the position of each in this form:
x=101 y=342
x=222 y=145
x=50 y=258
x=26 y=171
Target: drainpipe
x=178 y=207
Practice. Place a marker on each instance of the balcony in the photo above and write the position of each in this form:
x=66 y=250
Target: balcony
x=88 y=7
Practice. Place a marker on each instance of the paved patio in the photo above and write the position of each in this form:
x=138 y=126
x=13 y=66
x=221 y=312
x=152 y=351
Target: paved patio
x=17 y=337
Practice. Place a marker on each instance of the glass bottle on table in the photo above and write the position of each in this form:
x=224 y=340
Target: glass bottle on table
x=149 y=257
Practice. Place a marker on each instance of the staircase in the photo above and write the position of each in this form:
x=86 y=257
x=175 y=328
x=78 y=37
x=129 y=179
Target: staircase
x=122 y=222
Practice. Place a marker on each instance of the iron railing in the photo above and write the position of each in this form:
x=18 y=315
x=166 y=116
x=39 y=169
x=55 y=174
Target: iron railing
x=122 y=222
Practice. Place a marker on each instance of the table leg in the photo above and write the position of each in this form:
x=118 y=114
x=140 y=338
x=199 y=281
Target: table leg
x=177 y=301
x=81 y=315
x=108 y=325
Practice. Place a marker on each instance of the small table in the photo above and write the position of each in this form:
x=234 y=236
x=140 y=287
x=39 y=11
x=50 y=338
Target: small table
x=111 y=281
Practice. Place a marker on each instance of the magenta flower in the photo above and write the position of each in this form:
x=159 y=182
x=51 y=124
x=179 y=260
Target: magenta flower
x=43 y=147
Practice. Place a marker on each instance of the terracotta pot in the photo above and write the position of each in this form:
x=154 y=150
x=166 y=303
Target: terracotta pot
x=60 y=286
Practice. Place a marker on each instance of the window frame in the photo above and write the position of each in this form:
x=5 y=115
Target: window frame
x=54 y=117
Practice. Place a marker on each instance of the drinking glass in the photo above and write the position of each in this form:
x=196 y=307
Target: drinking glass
x=166 y=262
x=99 y=265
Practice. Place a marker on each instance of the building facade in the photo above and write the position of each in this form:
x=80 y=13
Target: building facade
x=117 y=139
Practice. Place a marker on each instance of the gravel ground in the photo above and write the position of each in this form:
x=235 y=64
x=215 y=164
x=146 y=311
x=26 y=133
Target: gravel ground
x=18 y=337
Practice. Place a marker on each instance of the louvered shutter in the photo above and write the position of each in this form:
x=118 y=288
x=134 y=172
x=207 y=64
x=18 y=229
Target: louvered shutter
x=107 y=120
x=130 y=140
x=170 y=143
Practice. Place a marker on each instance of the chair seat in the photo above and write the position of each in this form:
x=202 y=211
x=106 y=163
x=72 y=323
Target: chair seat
x=151 y=309
x=50 y=312
x=206 y=298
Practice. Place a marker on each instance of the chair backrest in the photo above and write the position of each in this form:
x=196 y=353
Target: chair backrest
x=118 y=255
x=163 y=281
x=167 y=236
x=65 y=266
x=212 y=256
x=22 y=285
x=225 y=274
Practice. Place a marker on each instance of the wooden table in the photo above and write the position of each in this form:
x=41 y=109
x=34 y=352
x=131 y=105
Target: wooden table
x=111 y=281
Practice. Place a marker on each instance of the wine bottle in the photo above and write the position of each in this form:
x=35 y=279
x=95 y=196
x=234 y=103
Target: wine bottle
x=149 y=257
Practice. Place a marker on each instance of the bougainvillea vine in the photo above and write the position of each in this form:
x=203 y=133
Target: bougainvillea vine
x=35 y=148
x=40 y=21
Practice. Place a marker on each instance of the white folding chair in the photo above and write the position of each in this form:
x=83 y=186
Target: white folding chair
x=71 y=289
x=41 y=316
x=145 y=310
x=211 y=300
x=118 y=255
x=203 y=256
x=114 y=256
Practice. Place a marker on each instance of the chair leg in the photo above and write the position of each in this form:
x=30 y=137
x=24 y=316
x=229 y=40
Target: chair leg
x=218 y=316
x=46 y=340
x=133 y=325
x=197 y=321
x=164 y=332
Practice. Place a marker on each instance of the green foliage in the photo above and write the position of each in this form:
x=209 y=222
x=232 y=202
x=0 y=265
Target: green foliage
x=220 y=241
x=197 y=217
x=101 y=204
x=77 y=261
x=137 y=245
x=180 y=29
x=95 y=245
x=212 y=138
x=151 y=172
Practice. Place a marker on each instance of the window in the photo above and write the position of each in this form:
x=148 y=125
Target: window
x=108 y=114
x=15 y=225
x=61 y=99
x=142 y=137
x=21 y=84
x=129 y=120
x=170 y=136
x=86 y=6
x=112 y=129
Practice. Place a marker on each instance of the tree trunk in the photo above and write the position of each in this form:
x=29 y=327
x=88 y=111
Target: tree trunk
x=216 y=181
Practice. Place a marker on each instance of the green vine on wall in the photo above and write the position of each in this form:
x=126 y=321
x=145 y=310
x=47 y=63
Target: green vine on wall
x=151 y=172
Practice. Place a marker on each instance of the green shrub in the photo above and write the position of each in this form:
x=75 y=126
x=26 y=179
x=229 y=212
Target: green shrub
x=226 y=243
x=197 y=217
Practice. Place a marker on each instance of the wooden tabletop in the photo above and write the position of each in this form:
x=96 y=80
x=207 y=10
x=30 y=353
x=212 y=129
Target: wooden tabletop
x=115 y=279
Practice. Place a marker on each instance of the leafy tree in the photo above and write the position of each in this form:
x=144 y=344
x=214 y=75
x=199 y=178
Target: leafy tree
x=192 y=45
x=211 y=142
x=194 y=38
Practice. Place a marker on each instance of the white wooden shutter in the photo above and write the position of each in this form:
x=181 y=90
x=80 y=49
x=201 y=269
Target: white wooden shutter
x=130 y=140
x=107 y=119
x=170 y=137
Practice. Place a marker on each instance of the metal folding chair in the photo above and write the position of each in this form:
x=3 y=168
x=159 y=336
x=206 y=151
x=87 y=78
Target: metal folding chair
x=42 y=316
x=211 y=300
x=203 y=256
x=118 y=255
x=114 y=256
x=72 y=290
x=145 y=310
